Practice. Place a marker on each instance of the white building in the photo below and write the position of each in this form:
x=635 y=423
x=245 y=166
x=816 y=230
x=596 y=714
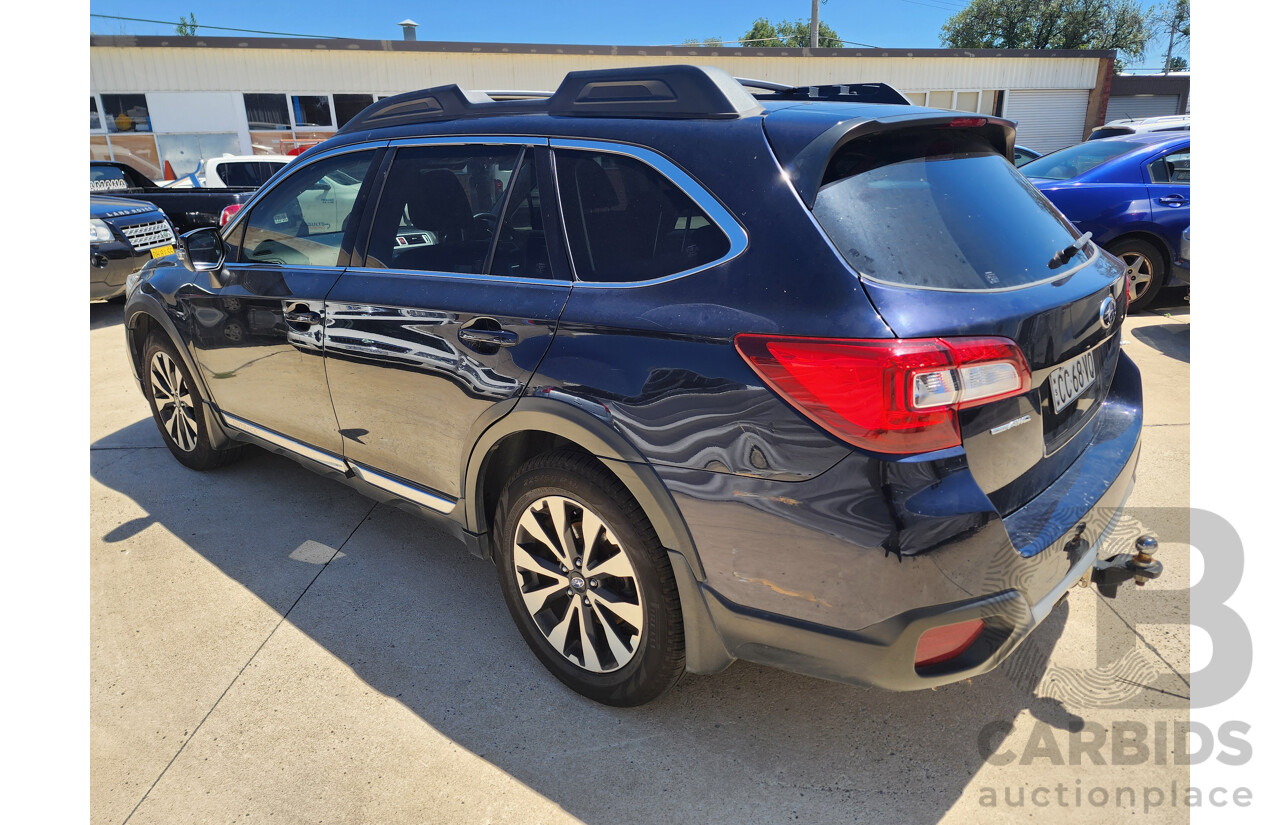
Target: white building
x=181 y=99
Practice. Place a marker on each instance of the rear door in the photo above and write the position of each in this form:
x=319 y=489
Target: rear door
x=448 y=312
x=950 y=240
x=258 y=331
x=1170 y=192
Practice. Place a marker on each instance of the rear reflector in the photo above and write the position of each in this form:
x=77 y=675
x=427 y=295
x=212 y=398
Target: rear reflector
x=888 y=395
x=229 y=212
x=942 y=644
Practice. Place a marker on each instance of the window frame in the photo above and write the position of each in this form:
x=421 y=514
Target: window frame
x=293 y=119
x=715 y=211
x=346 y=252
x=551 y=219
x=1161 y=157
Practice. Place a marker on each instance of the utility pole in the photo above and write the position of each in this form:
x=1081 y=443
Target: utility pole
x=813 y=27
x=1175 y=18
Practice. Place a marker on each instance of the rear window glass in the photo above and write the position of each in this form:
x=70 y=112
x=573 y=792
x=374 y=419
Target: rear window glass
x=627 y=222
x=107 y=179
x=248 y=172
x=939 y=211
x=1076 y=160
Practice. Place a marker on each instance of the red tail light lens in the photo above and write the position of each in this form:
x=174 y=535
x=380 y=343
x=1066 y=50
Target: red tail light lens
x=888 y=395
x=942 y=644
x=229 y=212
x=963 y=122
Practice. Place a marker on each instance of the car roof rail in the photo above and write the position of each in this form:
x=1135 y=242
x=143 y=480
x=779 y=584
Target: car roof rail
x=679 y=91
x=642 y=91
x=837 y=92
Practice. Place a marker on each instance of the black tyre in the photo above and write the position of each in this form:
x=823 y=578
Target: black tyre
x=587 y=580
x=178 y=409
x=1144 y=269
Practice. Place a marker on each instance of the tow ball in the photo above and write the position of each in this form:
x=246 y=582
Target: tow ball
x=1140 y=566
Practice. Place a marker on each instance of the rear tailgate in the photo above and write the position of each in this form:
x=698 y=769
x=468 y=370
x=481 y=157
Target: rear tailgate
x=950 y=241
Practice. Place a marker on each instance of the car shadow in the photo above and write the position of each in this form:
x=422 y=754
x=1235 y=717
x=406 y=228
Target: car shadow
x=103 y=314
x=424 y=623
x=1173 y=340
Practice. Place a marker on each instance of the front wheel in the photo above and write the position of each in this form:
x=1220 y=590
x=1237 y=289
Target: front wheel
x=1144 y=271
x=178 y=409
x=587 y=581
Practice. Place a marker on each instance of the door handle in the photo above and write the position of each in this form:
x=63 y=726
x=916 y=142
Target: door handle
x=1174 y=200
x=499 y=337
x=296 y=317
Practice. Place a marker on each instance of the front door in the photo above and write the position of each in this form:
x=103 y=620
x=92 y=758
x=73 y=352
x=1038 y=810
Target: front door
x=1170 y=192
x=448 y=313
x=258 y=334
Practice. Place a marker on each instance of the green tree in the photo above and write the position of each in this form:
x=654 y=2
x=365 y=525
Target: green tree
x=1049 y=24
x=788 y=34
x=185 y=27
x=710 y=42
x=1177 y=63
x=1174 y=19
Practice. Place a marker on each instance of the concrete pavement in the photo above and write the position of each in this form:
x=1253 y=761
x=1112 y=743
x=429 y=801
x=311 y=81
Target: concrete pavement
x=267 y=644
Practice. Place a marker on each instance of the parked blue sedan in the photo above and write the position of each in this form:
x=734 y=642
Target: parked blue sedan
x=1133 y=193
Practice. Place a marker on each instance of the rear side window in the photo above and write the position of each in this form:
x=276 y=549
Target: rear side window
x=301 y=222
x=1174 y=167
x=627 y=222
x=1076 y=160
x=940 y=211
x=107 y=179
x=248 y=172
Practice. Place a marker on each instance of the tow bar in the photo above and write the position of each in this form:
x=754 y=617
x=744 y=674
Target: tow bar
x=1108 y=575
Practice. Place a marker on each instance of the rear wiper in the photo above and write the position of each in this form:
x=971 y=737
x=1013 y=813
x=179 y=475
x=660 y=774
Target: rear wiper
x=1063 y=255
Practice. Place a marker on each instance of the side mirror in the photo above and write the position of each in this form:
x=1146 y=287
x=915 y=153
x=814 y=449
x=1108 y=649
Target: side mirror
x=202 y=250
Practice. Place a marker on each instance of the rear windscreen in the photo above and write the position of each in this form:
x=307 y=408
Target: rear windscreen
x=940 y=210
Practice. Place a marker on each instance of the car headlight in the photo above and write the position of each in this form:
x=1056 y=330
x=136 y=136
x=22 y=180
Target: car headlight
x=99 y=232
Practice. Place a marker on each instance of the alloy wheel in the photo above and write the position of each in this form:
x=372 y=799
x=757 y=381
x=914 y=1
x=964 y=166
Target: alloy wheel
x=174 y=404
x=578 y=585
x=1138 y=272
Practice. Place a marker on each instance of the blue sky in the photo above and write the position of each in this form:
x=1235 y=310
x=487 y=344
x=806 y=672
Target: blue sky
x=880 y=23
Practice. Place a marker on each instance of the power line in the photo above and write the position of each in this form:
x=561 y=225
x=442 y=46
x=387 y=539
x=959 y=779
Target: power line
x=203 y=26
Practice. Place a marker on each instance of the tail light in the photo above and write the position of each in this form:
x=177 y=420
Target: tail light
x=942 y=644
x=888 y=395
x=967 y=122
x=229 y=212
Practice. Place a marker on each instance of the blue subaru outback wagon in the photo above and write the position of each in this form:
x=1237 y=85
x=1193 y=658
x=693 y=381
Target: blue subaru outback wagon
x=710 y=370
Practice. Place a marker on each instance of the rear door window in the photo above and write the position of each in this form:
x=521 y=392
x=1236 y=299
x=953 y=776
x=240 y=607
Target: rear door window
x=1174 y=167
x=302 y=221
x=941 y=211
x=627 y=222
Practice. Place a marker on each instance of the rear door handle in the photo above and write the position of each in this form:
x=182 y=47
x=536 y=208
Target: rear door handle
x=1175 y=200
x=500 y=337
x=295 y=317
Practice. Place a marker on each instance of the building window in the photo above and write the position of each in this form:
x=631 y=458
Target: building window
x=95 y=122
x=126 y=113
x=311 y=110
x=266 y=111
x=348 y=106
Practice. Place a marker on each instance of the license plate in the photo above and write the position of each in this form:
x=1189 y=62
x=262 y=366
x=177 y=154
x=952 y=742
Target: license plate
x=161 y=251
x=1072 y=378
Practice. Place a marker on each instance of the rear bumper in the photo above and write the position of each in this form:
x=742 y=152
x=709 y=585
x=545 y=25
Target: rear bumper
x=883 y=655
x=1009 y=572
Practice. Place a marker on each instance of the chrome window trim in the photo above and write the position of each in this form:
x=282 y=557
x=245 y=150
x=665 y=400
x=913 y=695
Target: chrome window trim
x=715 y=211
x=1057 y=276
x=400 y=489
x=470 y=276
x=288 y=172
x=315 y=454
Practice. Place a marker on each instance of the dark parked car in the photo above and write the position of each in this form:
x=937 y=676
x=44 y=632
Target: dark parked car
x=123 y=235
x=186 y=208
x=810 y=377
x=1134 y=194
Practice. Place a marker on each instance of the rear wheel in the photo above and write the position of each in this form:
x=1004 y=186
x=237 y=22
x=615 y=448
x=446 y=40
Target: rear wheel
x=1143 y=268
x=587 y=581
x=178 y=409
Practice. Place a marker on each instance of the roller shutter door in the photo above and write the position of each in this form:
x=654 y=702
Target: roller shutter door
x=1135 y=106
x=1048 y=120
